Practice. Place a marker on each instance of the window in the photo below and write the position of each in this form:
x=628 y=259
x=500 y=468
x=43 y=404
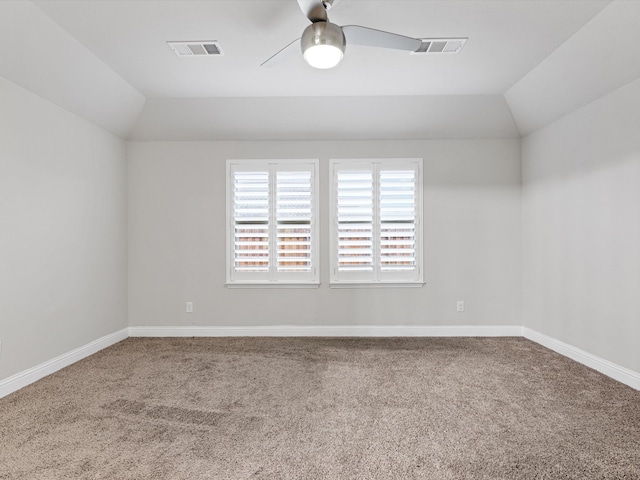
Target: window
x=376 y=224
x=272 y=231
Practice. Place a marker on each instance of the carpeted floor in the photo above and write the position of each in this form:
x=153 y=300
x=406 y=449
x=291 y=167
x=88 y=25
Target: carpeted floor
x=322 y=408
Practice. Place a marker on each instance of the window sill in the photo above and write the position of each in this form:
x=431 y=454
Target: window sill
x=378 y=285
x=271 y=285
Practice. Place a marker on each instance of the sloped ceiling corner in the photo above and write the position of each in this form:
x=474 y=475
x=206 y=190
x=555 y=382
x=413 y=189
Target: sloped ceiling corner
x=39 y=55
x=599 y=58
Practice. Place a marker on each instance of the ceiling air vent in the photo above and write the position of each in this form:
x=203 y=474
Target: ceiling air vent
x=195 y=49
x=440 y=45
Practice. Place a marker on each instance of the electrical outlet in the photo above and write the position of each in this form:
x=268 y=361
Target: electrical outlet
x=189 y=307
x=460 y=306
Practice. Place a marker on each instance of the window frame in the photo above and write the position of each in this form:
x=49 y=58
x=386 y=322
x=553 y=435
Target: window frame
x=272 y=278
x=376 y=278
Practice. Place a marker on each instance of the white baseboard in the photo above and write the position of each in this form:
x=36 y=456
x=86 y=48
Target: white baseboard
x=332 y=331
x=610 y=369
x=22 y=379
x=617 y=372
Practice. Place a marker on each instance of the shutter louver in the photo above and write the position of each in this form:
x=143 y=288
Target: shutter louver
x=293 y=219
x=397 y=220
x=355 y=220
x=251 y=221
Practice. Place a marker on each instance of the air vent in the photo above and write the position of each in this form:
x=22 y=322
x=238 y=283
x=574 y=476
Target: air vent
x=440 y=45
x=195 y=49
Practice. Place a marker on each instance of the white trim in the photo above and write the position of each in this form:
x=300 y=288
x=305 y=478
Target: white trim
x=332 y=331
x=27 y=377
x=610 y=369
x=271 y=285
x=377 y=285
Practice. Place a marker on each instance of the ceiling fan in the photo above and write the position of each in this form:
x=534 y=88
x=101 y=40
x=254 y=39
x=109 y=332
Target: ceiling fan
x=323 y=43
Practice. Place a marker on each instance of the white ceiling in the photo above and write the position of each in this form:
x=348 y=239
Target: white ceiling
x=506 y=40
x=108 y=61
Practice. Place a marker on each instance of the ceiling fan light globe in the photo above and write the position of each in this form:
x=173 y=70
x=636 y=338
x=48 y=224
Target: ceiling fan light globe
x=323 y=56
x=323 y=44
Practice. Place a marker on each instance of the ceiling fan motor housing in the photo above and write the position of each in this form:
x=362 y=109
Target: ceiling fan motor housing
x=326 y=37
x=323 y=33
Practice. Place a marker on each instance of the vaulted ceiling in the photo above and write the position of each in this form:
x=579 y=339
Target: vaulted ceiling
x=526 y=63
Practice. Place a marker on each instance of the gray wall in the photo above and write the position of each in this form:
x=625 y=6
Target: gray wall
x=472 y=225
x=581 y=228
x=559 y=253
x=63 y=244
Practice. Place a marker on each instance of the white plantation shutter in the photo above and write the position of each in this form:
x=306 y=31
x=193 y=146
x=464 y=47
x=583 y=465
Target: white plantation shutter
x=376 y=226
x=251 y=221
x=355 y=220
x=397 y=220
x=294 y=212
x=272 y=229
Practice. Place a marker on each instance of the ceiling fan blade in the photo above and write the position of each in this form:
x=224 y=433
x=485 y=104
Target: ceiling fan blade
x=314 y=10
x=283 y=54
x=370 y=37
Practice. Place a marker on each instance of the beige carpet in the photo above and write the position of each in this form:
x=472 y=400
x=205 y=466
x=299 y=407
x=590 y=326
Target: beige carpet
x=304 y=408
